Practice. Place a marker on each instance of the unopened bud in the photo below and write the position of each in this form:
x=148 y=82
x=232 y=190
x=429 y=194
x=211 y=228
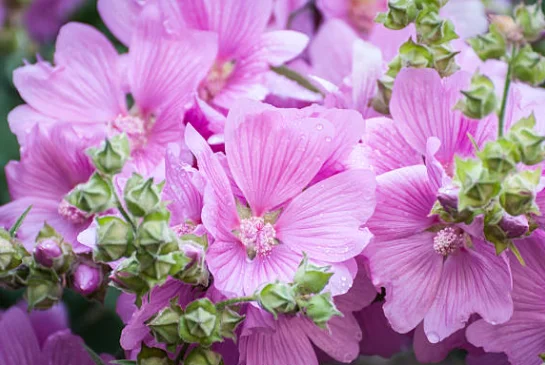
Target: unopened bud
x=43 y=290
x=47 y=252
x=112 y=154
x=477 y=186
x=400 y=14
x=159 y=267
x=491 y=45
x=200 y=323
x=500 y=157
x=381 y=102
x=94 y=196
x=154 y=234
x=415 y=55
x=153 y=356
x=320 y=309
x=51 y=251
x=444 y=60
x=529 y=66
x=448 y=198
x=480 y=99
x=506 y=26
x=311 y=279
x=229 y=322
x=114 y=236
x=127 y=277
x=432 y=29
x=277 y=298
x=202 y=356
x=531 y=20
x=142 y=196
x=514 y=227
x=518 y=192
x=87 y=279
x=164 y=325
x=196 y=273
x=529 y=143
x=9 y=255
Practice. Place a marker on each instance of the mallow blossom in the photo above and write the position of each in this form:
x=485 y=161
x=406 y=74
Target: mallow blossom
x=433 y=271
x=88 y=84
x=257 y=208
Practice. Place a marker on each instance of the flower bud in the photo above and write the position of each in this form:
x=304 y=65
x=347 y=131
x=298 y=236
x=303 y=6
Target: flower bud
x=311 y=279
x=400 y=14
x=200 y=323
x=229 y=322
x=46 y=252
x=114 y=236
x=514 y=227
x=127 y=277
x=529 y=143
x=87 y=279
x=415 y=55
x=500 y=158
x=277 y=298
x=10 y=258
x=112 y=154
x=142 y=196
x=529 y=66
x=154 y=234
x=531 y=20
x=164 y=326
x=432 y=29
x=196 y=273
x=477 y=186
x=491 y=45
x=448 y=198
x=444 y=60
x=153 y=356
x=201 y=356
x=94 y=196
x=480 y=100
x=43 y=290
x=381 y=102
x=159 y=267
x=518 y=192
x=320 y=309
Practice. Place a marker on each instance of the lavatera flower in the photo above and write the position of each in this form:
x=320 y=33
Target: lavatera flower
x=258 y=204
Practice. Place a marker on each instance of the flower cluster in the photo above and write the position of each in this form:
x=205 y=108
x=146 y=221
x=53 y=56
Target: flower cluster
x=265 y=178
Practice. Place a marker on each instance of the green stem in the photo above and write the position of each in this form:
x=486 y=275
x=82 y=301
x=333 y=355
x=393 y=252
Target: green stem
x=505 y=96
x=181 y=354
x=296 y=77
x=226 y=303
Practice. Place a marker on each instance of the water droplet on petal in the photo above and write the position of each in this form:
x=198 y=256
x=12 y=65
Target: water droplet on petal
x=433 y=337
x=319 y=126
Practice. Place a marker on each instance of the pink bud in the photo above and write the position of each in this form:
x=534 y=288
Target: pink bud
x=514 y=227
x=46 y=252
x=87 y=279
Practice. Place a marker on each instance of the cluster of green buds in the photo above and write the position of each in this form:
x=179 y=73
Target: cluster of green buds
x=500 y=184
x=431 y=49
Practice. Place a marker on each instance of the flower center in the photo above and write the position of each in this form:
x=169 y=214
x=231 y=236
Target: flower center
x=71 y=213
x=183 y=229
x=133 y=126
x=362 y=14
x=216 y=80
x=447 y=241
x=258 y=237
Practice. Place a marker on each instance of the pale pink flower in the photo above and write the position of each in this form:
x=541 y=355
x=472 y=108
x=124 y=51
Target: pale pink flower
x=273 y=154
x=359 y=14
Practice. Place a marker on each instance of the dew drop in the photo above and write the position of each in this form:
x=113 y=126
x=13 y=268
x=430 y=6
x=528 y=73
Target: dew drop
x=319 y=126
x=433 y=337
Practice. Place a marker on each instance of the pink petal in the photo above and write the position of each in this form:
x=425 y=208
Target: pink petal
x=410 y=270
x=284 y=45
x=18 y=342
x=83 y=87
x=333 y=8
x=266 y=151
x=64 y=348
x=24 y=118
x=366 y=70
x=404 y=202
x=435 y=170
x=47 y=322
x=422 y=106
x=385 y=147
x=324 y=221
x=343 y=277
x=121 y=17
x=331 y=51
x=488 y=358
x=427 y=352
x=473 y=281
x=389 y=40
x=126 y=307
x=164 y=69
x=219 y=212
x=361 y=294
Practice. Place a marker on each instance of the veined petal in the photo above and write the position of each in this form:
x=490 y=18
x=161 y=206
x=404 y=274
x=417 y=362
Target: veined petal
x=283 y=45
x=17 y=339
x=121 y=17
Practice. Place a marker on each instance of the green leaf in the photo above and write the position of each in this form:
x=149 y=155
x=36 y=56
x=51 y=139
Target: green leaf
x=19 y=222
x=94 y=356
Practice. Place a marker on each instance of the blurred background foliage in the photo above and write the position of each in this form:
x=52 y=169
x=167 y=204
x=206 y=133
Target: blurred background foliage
x=98 y=323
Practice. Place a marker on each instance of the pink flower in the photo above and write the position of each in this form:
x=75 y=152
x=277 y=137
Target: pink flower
x=85 y=87
x=273 y=154
x=522 y=337
x=426 y=266
x=40 y=338
x=44 y=18
x=290 y=339
x=52 y=163
x=359 y=14
x=246 y=49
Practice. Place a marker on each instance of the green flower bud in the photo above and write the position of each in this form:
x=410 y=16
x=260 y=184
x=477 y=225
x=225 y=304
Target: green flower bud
x=444 y=60
x=164 y=326
x=477 y=186
x=480 y=100
x=127 y=278
x=196 y=273
x=94 y=196
x=491 y=45
x=60 y=256
x=112 y=154
x=159 y=267
x=529 y=66
x=531 y=20
x=154 y=234
x=381 y=102
x=10 y=256
x=518 y=193
x=529 y=143
x=200 y=323
x=500 y=158
x=320 y=309
x=400 y=14
x=43 y=289
x=200 y=356
x=432 y=29
x=415 y=55
x=229 y=322
x=277 y=298
x=142 y=196
x=311 y=279
x=153 y=356
x=434 y=4
x=114 y=236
